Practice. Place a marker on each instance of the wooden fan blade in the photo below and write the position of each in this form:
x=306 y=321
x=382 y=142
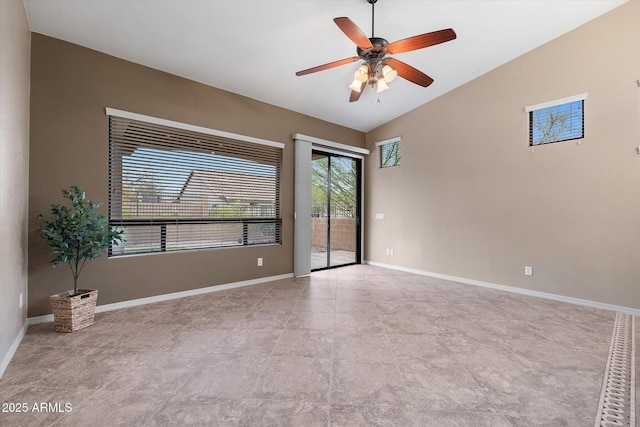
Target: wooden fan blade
x=355 y=95
x=327 y=66
x=407 y=72
x=421 y=41
x=353 y=32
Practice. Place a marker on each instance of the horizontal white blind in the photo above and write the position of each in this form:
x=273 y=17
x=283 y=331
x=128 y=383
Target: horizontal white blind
x=176 y=189
x=556 y=123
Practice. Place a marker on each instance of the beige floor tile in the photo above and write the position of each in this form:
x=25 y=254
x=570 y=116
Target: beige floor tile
x=355 y=346
x=93 y=371
x=315 y=305
x=443 y=384
x=306 y=343
x=301 y=379
x=347 y=306
x=265 y=319
x=371 y=415
x=216 y=319
x=365 y=323
x=317 y=290
x=146 y=336
x=226 y=376
x=32 y=364
x=194 y=340
x=250 y=341
x=353 y=294
x=360 y=384
x=312 y=320
x=362 y=347
x=276 y=304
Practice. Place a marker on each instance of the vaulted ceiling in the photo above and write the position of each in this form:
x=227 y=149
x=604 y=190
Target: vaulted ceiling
x=254 y=47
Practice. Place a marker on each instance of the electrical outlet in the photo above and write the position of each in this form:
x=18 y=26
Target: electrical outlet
x=528 y=271
x=386 y=251
x=390 y=251
x=259 y=262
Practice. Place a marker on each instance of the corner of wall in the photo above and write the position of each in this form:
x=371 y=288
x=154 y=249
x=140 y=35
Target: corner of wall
x=15 y=60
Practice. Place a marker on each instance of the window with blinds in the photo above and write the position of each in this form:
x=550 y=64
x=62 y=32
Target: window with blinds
x=389 y=153
x=556 y=121
x=173 y=189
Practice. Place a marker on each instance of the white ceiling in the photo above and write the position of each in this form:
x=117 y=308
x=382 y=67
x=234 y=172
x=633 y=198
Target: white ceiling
x=254 y=47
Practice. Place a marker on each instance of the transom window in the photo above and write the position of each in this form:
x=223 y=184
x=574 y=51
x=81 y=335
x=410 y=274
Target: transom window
x=556 y=121
x=389 y=152
x=173 y=189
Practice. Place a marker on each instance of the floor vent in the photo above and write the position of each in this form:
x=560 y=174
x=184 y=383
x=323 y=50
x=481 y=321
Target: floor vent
x=617 y=401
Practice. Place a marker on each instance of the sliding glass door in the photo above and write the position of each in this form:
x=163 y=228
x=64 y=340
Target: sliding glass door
x=335 y=210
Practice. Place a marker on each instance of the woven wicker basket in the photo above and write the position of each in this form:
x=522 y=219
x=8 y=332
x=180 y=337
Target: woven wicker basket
x=74 y=313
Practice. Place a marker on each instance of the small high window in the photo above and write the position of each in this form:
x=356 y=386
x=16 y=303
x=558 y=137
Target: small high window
x=389 y=152
x=556 y=121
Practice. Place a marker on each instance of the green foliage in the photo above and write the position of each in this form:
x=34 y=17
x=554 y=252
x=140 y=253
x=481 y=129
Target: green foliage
x=228 y=211
x=343 y=181
x=77 y=233
x=390 y=154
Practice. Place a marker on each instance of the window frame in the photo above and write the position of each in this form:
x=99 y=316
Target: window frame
x=380 y=146
x=547 y=106
x=160 y=225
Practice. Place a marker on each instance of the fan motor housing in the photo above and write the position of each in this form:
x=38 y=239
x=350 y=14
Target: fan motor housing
x=377 y=52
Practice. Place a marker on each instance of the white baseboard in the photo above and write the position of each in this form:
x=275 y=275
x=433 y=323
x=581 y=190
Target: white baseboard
x=12 y=350
x=562 y=298
x=165 y=297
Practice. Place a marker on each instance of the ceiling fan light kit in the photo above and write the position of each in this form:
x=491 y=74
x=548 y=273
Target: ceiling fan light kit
x=382 y=85
x=356 y=86
x=379 y=68
x=389 y=73
x=362 y=75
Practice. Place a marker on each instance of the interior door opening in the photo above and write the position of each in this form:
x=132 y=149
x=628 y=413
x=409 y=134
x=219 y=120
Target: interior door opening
x=335 y=210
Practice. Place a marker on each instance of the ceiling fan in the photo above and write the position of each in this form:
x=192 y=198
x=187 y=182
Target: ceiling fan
x=379 y=68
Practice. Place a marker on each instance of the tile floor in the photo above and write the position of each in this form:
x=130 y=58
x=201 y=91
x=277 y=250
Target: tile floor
x=355 y=346
x=337 y=258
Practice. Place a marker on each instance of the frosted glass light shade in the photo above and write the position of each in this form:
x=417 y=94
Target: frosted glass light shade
x=382 y=85
x=356 y=85
x=389 y=73
x=362 y=74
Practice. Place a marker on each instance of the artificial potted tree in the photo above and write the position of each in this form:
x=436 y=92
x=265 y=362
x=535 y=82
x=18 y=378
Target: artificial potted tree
x=76 y=234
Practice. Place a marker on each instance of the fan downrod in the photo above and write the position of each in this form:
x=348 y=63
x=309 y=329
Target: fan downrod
x=373 y=14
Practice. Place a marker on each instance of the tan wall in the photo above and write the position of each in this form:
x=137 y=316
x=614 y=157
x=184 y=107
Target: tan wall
x=14 y=172
x=71 y=86
x=472 y=200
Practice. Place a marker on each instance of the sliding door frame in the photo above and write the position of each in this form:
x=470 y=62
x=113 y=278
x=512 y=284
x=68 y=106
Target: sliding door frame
x=358 y=203
x=304 y=146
